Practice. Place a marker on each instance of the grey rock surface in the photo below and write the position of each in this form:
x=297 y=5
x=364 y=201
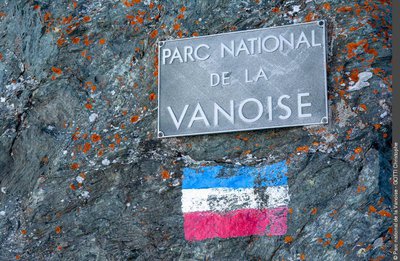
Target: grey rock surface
x=84 y=177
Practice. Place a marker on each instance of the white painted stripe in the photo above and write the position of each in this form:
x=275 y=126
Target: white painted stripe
x=227 y=199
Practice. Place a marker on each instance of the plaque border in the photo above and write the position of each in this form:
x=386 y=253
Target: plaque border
x=325 y=120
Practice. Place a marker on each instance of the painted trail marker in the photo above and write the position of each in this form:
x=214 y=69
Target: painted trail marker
x=247 y=80
x=235 y=202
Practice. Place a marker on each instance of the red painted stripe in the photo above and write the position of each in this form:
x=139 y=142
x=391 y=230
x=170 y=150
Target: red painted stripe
x=237 y=223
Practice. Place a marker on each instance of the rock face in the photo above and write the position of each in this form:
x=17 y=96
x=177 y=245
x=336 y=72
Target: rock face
x=84 y=177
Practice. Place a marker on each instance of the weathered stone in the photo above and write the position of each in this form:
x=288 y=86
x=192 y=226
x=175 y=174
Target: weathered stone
x=83 y=176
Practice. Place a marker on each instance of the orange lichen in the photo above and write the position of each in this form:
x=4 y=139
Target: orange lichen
x=75 y=136
x=303 y=149
x=351 y=47
x=242 y=138
x=354 y=75
x=128 y=4
x=88 y=106
x=358 y=150
x=95 y=137
x=66 y=20
x=102 y=41
x=288 y=239
x=358 y=11
x=134 y=118
x=309 y=17
x=61 y=41
x=384 y=213
x=275 y=10
x=340 y=68
x=246 y=152
x=76 y=40
x=328 y=235
x=370 y=50
x=361 y=189
x=88 y=84
x=390 y=230
x=339 y=244
x=314 y=211
x=152 y=96
x=23 y=231
x=58 y=229
x=377 y=71
x=139 y=19
x=363 y=106
x=87 y=19
x=327 y=243
x=86 y=41
x=344 y=9
x=56 y=70
x=176 y=27
x=117 y=138
x=302 y=257
x=326 y=6
x=165 y=174
x=72 y=186
x=371 y=209
x=74 y=166
x=86 y=147
x=47 y=16
x=154 y=34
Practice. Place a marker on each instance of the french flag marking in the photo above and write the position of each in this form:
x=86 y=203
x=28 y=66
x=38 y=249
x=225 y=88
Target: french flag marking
x=235 y=202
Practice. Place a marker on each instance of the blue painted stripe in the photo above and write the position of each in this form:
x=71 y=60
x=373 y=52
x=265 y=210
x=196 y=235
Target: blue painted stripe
x=239 y=177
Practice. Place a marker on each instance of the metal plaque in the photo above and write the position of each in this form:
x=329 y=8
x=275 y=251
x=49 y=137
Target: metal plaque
x=246 y=80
